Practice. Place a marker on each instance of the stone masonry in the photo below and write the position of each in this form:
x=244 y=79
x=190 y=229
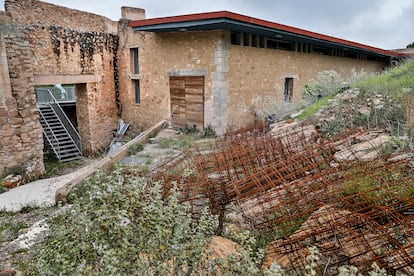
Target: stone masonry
x=21 y=142
x=45 y=44
x=74 y=47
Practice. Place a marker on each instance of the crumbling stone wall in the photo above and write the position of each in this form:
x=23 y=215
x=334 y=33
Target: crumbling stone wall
x=21 y=142
x=71 y=46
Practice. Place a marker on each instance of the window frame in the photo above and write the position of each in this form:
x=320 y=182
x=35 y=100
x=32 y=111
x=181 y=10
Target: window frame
x=135 y=60
x=288 y=91
x=137 y=90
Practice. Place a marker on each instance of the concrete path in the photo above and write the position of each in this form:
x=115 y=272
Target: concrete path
x=45 y=192
x=40 y=193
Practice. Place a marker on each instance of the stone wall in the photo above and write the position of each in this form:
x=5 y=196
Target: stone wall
x=21 y=143
x=37 y=13
x=75 y=47
x=247 y=65
x=162 y=55
x=239 y=81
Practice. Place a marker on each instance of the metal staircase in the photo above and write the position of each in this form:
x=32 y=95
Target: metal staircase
x=59 y=133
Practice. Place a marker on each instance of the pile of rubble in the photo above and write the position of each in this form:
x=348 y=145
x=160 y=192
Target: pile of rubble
x=307 y=190
x=349 y=109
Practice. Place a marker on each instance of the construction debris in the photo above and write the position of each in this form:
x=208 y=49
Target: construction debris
x=306 y=190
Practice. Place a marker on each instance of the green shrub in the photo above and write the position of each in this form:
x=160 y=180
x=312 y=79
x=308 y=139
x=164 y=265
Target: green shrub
x=326 y=83
x=118 y=224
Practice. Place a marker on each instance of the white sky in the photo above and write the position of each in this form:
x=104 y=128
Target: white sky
x=387 y=24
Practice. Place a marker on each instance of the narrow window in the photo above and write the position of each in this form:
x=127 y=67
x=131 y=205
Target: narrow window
x=137 y=91
x=288 y=94
x=135 y=60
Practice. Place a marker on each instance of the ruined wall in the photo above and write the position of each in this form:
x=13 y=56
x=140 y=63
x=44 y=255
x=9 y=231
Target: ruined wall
x=66 y=46
x=162 y=55
x=257 y=78
x=21 y=142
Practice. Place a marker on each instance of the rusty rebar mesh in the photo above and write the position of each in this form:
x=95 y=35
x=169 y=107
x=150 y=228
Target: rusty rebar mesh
x=363 y=195
x=291 y=185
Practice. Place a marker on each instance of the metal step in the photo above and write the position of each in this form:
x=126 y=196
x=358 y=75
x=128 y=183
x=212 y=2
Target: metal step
x=56 y=135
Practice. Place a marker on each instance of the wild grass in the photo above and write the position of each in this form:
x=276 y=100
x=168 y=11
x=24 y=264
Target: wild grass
x=315 y=107
x=396 y=82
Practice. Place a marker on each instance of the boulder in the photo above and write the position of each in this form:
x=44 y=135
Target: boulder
x=220 y=247
x=365 y=111
x=8 y=273
x=364 y=151
x=34 y=235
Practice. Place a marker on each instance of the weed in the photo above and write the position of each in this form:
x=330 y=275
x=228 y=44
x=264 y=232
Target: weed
x=11 y=230
x=187 y=129
x=184 y=141
x=392 y=146
x=314 y=107
x=208 y=132
x=367 y=186
x=148 y=160
x=54 y=167
x=168 y=143
x=325 y=83
x=134 y=149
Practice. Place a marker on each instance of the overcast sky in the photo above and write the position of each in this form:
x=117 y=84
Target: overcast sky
x=387 y=24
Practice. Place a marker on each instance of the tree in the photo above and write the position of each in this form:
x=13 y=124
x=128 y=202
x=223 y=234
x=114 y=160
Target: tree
x=410 y=45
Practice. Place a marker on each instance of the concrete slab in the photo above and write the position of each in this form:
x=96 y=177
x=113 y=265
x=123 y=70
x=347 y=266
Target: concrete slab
x=132 y=160
x=39 y=193
x=46 y=192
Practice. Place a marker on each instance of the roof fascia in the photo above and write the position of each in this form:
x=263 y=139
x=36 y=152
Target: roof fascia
x=183 y=22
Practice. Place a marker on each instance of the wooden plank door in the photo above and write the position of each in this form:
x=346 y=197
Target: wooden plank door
x=177 y=94
x=187 y=101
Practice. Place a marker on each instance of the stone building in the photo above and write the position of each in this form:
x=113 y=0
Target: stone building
x=212 y=69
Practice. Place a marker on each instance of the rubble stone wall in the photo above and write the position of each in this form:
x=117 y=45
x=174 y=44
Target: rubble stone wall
x=66 y=45
x=248 y=65
x=232 y=92
x=21 y=143
x=160 y=56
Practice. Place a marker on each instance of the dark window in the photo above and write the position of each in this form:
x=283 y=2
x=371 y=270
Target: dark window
x=235 y=40
x=135 y=60
x=279 y=44
x=288 y=94
x=350 y=54
x=321 y=50
x=137 y=91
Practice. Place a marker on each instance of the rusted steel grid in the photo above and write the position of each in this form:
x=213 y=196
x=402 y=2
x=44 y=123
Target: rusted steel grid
x=291 y=185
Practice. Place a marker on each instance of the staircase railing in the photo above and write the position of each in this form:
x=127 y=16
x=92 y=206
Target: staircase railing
x=47 y=97
x=61 y=94
x=52 y=139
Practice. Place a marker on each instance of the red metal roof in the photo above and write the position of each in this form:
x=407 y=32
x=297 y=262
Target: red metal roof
x=258 y=22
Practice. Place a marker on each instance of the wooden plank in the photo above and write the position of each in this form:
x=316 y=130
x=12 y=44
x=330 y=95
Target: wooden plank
x=187 y=94
x=177 y=95
x=194 y=96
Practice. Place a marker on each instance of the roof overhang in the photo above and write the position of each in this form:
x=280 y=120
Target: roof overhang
x=225 y=20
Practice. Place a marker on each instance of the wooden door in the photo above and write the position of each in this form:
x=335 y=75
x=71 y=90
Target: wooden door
x=187 y=101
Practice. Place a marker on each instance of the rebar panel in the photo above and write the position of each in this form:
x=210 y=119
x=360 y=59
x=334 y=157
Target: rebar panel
x=290 y=185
